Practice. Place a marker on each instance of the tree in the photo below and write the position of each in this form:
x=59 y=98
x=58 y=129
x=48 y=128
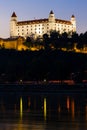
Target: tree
x=46 y=41
x=54 y=38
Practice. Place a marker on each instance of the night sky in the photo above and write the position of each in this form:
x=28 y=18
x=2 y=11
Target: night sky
x=30 y=9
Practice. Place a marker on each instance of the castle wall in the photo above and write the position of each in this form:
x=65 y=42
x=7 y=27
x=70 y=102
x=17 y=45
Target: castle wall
x=16 y=44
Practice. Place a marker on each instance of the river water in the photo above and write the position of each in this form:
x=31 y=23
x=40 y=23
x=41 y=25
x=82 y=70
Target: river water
x=43 y=111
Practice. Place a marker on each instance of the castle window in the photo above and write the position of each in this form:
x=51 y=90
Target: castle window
x=22 y=33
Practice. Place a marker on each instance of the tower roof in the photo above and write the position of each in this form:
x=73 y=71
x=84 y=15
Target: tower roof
x=51 y=12
x=14 y=14
x=73 y=16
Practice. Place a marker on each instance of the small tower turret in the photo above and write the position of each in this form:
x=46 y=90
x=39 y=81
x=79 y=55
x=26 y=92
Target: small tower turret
x=13 y=23
x=73 y=21
x=51 y=17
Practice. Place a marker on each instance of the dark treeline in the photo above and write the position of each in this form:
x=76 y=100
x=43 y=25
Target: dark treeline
x=57 y=40
x=40 y=65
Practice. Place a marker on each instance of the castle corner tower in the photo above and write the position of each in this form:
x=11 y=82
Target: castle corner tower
x=13 y=23
x=73 y=21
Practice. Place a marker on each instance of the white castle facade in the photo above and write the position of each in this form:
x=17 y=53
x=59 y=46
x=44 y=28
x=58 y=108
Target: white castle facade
x=38 y=27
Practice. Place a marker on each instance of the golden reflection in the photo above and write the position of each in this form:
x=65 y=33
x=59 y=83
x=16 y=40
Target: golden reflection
x=45 y=108
x=29 y=104
x=59 y=108
x=73 y=109
x=86 y=111
x=68 y=103
x=21 y=107
x=2 y=107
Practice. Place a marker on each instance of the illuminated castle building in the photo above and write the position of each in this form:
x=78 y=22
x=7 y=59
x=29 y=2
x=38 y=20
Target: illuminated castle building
x=37 y=27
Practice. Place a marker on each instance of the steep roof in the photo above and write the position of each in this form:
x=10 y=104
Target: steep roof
x=14 y=14
x=51 y=12
x=73 y=16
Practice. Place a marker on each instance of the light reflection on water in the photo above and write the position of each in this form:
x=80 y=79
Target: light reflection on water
x=43 y=112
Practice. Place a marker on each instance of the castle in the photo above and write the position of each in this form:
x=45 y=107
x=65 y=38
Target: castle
x=37 y=27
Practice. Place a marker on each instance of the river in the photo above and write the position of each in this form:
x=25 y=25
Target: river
x=43 y=111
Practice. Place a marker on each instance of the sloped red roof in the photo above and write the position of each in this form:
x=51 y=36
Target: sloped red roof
x=13 y=15
x=32 y=21
x=63 y=21
x=51 y=12
x=38 y=21
x=73 y=16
